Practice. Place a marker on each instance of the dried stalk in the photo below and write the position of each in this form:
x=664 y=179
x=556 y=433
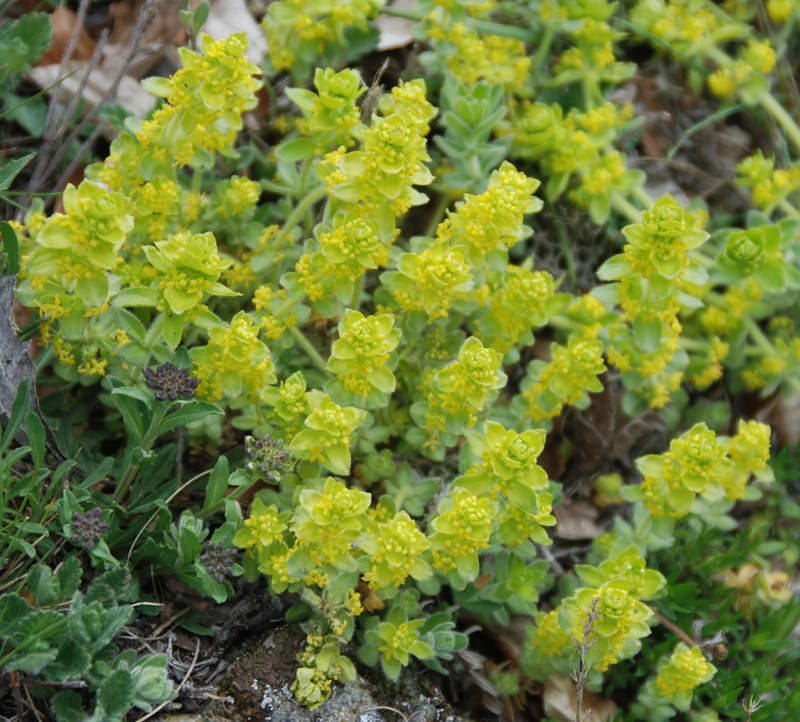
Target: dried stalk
x=145 y=18
x=584 y=645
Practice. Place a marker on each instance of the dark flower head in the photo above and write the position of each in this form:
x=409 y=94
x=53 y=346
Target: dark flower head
x=266 y=457
x=219 y=560
x=169 y=382
x=87 y=527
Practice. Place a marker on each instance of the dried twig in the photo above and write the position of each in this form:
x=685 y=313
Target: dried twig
x=78 y=94
x=49 y=136
x=674 y=628
x=584 y=645
x=145 y=18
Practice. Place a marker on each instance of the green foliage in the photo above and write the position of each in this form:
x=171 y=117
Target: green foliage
x=67 y=635
x=407 y=374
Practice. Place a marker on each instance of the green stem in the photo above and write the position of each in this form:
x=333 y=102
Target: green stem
x=146 y=444
x=298 y=213
x=277 y=188
x=153 y=333
x=285 y=307
x=624 y=207
x=565 y=323
x=767 y=100
x=484 y=27
x=788 y=208
x=693 y=344
x=758 y=336
x=641 y=195
x=565 y=248
x=358 y=287
x=438 y=214
x=313 y=354
x=782 y=117
x=544 y=48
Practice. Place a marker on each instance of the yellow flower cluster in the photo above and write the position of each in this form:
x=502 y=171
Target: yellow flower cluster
x=517 y=306
x=234 y=363
x=686 y=669
x=564 y=381
x=380 y=176
x=471 y=57
x=213 y=90
x=494 y=219
x=685 y=24
x=756 y=58
x=769 y=185
x=297 y=29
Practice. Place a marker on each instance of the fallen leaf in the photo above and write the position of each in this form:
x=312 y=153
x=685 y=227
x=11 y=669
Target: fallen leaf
x=65 y=25
x=130 y=94
x=560 y=697
x=395 y=32
x=576 y=520
x=161 y=36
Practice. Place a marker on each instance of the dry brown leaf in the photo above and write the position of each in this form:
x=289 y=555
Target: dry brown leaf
x=161 y=36
x=233 y=16
x=130 y=94
x=65 y=25
x=560 y=697
x=395 y=32
x=576 y=520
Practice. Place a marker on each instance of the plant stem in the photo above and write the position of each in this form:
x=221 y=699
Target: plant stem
x=358 y=287
x=767 y=100
x=641 y=195
x=313 y=354
x=544 y=47
x=758 y=336
x=146 y=443
x=298 y=213
x=624 y=207
x=155 y=330
x=564 y=241
x=782 y=117
x=438 y=214
x=276 y=188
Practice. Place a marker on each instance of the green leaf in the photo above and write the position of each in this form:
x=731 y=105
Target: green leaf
x=67 y=706
x=136 y=296
x=614 y=268
x=193 y=411
x=173 y=330
x=21 y=404
x=71 y=662
x=11 y=169
x=131 y=417
x=115 y=693
x=200 y=16
x=295 y=150
x=11 y=248
x=217 y=483
x=134 y=393
x=648 y=333
x=770 y=275
x=12 y=609
x=300 y=563
x=157 y=86
x=36 y=437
